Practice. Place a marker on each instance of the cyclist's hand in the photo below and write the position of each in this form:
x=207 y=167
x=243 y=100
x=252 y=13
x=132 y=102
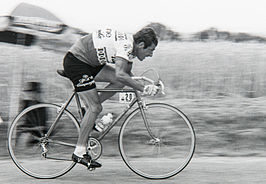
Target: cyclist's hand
x=150 y=90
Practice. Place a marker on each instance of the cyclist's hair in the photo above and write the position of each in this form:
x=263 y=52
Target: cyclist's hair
x=146 y=35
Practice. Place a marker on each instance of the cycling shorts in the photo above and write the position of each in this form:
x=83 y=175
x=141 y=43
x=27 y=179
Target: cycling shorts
x=81 y=74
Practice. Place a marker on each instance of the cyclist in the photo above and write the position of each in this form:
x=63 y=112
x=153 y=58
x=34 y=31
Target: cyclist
x=90 y=59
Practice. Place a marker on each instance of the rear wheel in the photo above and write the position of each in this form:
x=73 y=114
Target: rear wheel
x=160 y=148
x=34 y=153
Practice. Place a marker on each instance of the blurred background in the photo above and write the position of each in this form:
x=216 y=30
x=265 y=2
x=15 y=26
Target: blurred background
x=216 y=77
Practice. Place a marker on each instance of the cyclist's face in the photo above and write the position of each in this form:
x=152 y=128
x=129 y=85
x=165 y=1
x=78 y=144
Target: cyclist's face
x=145 y=52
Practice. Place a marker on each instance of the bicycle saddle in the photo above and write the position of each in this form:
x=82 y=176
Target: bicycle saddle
x=62 y=73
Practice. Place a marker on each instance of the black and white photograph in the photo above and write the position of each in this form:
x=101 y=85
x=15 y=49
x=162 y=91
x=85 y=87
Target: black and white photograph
x=130 y=92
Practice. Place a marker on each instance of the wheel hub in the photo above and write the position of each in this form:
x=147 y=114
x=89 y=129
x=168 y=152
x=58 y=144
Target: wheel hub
x=43 y=145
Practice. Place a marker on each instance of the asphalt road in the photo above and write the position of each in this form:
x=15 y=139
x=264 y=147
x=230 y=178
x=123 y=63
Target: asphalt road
x=213 y=170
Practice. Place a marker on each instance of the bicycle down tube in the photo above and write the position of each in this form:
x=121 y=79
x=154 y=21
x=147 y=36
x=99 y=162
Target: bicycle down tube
x=123 y=113
x=138 y=100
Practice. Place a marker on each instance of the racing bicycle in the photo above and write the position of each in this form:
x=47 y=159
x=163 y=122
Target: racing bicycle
x=156 y=140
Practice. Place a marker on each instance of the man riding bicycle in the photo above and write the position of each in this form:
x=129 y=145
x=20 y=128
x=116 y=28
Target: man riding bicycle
x=87 y=62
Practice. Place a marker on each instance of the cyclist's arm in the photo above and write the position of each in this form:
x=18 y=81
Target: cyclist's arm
x=123 y=74
x=129 y=69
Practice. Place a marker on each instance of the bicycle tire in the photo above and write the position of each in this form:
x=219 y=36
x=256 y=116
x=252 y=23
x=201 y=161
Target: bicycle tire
x=25 y=140
x=175 y=144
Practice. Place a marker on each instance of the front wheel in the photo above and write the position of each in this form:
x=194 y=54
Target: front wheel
x=157 y=142
x=36 y=154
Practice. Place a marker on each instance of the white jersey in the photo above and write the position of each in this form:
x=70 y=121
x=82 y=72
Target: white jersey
x=111 y=43
x=102 y=46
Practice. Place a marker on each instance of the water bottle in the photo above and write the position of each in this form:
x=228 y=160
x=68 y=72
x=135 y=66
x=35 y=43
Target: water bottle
x=105 y=121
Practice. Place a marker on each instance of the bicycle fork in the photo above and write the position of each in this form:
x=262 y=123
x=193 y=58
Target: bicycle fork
x=155 y=140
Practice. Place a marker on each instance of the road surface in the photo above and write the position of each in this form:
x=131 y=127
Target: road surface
x=213 y=170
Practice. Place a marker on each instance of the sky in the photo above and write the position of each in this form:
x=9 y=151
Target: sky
x=179 y=15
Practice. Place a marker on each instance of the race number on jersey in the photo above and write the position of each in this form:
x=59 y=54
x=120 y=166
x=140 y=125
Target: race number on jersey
x=110 y=43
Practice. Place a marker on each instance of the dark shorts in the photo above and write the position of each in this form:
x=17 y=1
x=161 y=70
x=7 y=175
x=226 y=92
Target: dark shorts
x=81 y=74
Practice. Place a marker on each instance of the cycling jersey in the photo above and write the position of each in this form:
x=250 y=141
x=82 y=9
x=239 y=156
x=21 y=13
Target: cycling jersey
x=102 y=46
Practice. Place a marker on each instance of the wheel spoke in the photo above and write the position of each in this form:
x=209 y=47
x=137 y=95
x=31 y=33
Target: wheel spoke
x=162 y=151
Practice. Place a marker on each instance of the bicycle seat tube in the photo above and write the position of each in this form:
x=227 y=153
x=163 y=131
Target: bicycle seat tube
x=63 y=107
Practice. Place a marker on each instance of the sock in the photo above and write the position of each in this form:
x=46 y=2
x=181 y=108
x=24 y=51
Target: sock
x=80 y=151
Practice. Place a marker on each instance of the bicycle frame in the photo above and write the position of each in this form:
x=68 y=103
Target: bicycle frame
x=150 y=121
x=137 y=99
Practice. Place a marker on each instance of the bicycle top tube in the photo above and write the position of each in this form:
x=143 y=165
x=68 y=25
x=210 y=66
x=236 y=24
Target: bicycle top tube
x=115 y=90
x=126 y=89
x=62 y=73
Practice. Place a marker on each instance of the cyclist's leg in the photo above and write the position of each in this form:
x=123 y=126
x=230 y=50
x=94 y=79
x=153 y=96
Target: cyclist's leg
x=82 y=75
x=107 y=74
x=94 y=107
x=92 y=101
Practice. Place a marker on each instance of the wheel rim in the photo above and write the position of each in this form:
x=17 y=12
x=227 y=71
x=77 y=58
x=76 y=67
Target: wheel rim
x=29 y=153
x=132 y=133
